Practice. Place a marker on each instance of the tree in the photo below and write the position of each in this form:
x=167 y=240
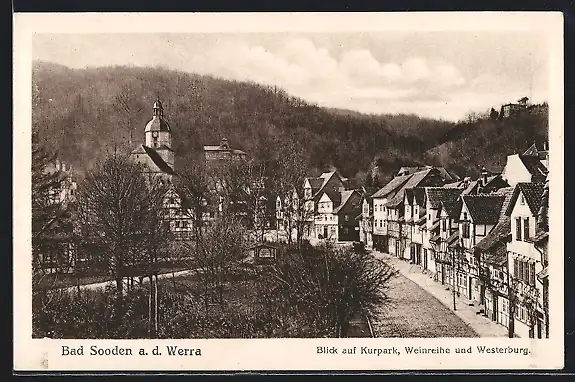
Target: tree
x=219 y=248
x=121 y=210
x=330 y=286
x=47 y=205
x=493 y=114
x=512 y=285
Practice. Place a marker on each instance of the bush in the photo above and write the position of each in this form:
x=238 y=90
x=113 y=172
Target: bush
x=328 y=286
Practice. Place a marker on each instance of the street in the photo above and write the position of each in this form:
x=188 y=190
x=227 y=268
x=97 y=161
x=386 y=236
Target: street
x=411 y=311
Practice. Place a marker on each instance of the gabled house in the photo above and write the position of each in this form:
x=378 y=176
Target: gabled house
x=365 y=219
x=326 y=218
x=434 y=196
x=314 y=187
x=487 y=183
x=380 y=214
x=347 y=211
x=414 y=202
x=399 y=234
x=521 y=168
x=489 y=267
x=526 y=261
x=479 y=215
x=449 y=239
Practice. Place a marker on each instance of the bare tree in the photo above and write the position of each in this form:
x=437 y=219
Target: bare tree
x=219 y=249
x=121 y=210
x=292 y=168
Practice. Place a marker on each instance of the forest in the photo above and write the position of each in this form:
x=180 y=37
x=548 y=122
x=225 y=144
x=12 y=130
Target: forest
x=84 y=113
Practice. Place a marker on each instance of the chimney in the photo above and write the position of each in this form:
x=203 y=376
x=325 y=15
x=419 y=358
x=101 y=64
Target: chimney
x=484 y=174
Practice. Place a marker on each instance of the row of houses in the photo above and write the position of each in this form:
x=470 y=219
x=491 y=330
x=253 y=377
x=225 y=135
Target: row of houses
x=485 y=239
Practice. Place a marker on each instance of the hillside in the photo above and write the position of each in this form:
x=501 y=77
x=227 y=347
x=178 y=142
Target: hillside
x=84 y=113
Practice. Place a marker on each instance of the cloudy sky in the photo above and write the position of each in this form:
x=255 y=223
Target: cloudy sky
x=432 y=74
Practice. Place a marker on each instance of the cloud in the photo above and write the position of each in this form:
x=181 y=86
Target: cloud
x=329 y=73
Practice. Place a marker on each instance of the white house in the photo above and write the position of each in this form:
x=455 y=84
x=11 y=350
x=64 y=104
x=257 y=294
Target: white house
x=525 y=260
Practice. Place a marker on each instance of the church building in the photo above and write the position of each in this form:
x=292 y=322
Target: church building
x=157 y=156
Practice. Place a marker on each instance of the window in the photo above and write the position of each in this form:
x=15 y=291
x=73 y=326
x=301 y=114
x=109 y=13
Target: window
x=518 y=229
x=346 y=218
x=444 y=225
x=465 y=216
x=380 y=223
x=429 y=217
x=466 y=229
x=177 y=224
x=532 y=273
x=515 y=268
x=525 y=229
x=521 y=199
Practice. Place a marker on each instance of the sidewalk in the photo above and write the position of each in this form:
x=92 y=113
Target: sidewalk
x=483 y=326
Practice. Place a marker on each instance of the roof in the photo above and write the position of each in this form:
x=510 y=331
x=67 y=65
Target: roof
x=533 y=193
x=484 y=208
x=223 y=146
x=421 y=220
x=471 y=188
x=543 y=274
x=452 y=207
x=435 y=195
x=416 y=194
x=393 y=185
x=435 y=237
x=334 y=196
x=456 y=184
x=540 y=236
x=412 y=182
x=533 y=165
x=453 y=240
x=158 y=123
x=157 y=159
x=499 y=234
x=345 y=197
x=315 y=183
x=498 y=256
x=434 y=225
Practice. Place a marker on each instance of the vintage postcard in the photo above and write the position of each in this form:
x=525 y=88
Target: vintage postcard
x=226 y=192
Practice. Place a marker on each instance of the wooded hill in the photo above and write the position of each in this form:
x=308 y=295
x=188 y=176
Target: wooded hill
x=83 y=113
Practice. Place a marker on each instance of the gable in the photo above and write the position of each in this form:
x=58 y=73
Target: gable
x=324 y=198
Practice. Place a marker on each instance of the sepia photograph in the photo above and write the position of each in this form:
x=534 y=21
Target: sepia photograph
x=292 y=184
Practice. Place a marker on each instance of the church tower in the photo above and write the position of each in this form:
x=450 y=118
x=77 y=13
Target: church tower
x=159 y=134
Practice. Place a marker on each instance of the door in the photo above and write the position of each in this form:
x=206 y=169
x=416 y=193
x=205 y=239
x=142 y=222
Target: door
x=539 y=328
x=494 y=308
x=425 y=259
x=469 y=287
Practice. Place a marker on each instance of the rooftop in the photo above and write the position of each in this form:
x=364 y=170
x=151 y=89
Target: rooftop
x=484 y=208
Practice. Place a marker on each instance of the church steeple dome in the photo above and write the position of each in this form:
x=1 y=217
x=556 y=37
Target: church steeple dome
x=158 y=123
x=158 y=108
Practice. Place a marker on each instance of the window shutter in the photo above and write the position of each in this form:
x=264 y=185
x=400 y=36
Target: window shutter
x=515 y=268
x=532 y=274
